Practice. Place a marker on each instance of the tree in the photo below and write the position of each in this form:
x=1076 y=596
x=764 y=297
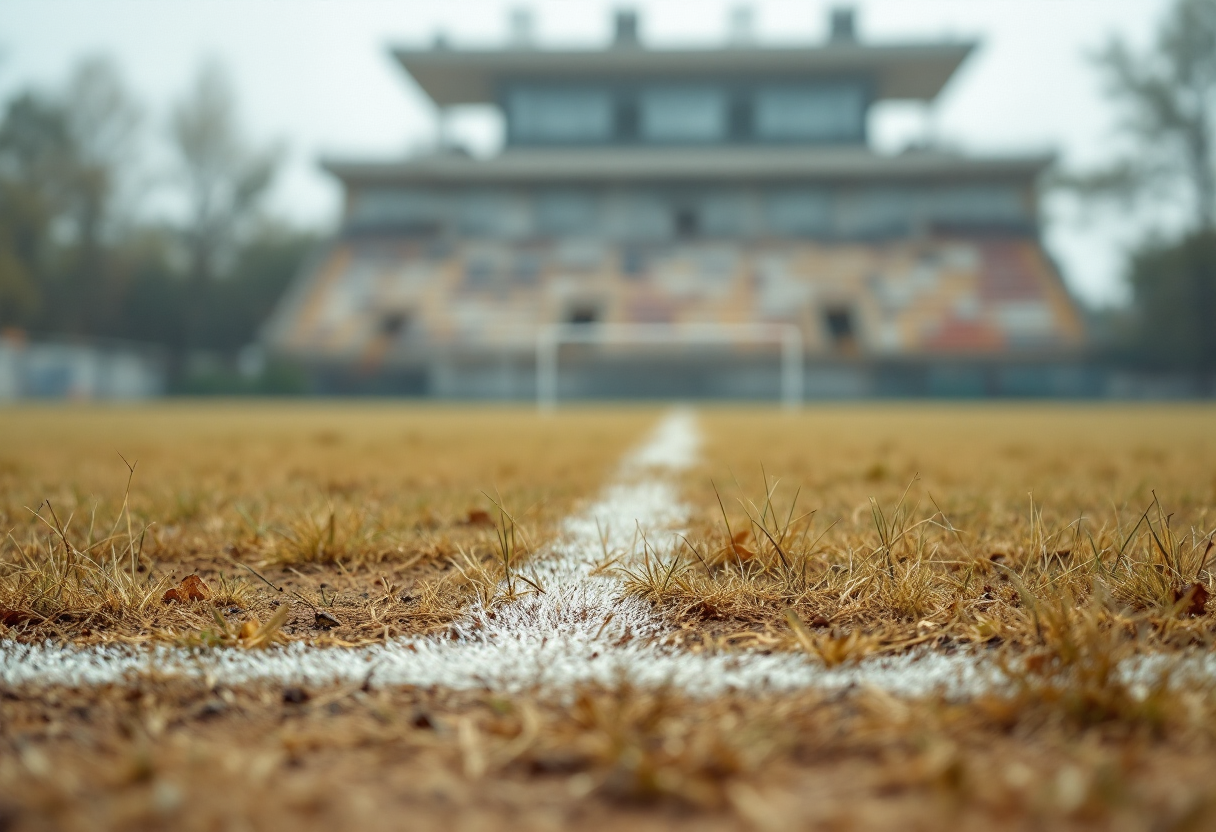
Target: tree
x=1168 y=97
x=224 y=181
x=35 y=153
x=1174 y=285
x=78 y=259
x=103 y=123
x=61 y=157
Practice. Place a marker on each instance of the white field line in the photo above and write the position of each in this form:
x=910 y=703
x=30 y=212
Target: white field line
x=581 y=630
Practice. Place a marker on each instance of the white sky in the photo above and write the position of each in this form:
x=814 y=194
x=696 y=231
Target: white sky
x=315 y=74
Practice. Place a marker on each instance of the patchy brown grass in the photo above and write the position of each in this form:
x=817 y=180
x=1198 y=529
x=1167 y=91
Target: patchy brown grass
x=1059 y=540
x=355 y=513
x=978 y=547
x=186 y=757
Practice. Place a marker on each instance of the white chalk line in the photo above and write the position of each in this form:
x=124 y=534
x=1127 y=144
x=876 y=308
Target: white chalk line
x=582 y=630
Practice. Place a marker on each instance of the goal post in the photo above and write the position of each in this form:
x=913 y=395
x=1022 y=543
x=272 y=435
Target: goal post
x=550 y=337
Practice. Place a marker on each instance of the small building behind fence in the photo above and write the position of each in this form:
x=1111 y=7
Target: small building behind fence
x=77 y=370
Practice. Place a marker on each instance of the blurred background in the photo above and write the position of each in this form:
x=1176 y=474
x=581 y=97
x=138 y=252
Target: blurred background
x=578 y=199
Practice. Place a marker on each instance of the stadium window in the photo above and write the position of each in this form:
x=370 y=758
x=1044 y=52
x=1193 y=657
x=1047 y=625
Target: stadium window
x=799 y=212
x=683 y=114
x=627 y=119
x=644 y=216
x=554 y=116
x=396 y=208
x=740 y=126
x=484 y=213
x=566 y=212
x=978 y=204
x=723 y=214
x=880 y=212
x=825 y=113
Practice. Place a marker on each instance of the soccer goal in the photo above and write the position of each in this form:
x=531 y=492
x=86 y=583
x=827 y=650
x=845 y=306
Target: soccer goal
x=549 y=339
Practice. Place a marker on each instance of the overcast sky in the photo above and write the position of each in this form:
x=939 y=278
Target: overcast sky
x=315 y=75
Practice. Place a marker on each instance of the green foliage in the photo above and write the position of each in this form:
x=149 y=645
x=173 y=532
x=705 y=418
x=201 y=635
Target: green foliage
x=62 y=157
x=75 y=260
x=276 y=379
x=239 y=302
x=1175 y=293
x=1167 y=95
x=34 y=146
x=155 y=296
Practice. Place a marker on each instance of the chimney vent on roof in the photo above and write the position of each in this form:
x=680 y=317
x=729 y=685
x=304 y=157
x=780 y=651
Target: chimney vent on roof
x=844 y=25
x=626 y=28
x=522 y=27
x=742 y=25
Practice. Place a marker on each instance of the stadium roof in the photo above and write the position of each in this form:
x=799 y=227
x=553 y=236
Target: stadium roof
x=720 y=163
x=900 y=71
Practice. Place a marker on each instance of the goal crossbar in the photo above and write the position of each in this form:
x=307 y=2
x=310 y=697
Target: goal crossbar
x=550 y=337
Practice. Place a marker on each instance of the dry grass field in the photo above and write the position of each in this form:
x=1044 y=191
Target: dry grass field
x=907 y=524
x=1056 y=542
x=353 y=501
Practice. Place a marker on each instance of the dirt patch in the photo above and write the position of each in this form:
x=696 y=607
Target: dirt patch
x=186 y=757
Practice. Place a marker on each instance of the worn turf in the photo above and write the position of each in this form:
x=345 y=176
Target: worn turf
x=862 y=617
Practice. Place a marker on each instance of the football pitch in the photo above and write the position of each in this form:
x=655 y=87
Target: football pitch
x=248 y=615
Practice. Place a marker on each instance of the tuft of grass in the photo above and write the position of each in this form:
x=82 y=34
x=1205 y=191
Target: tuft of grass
x=657 y=579
x=97 y=581
x=90 y=583
x=1157 y=569
x=50 y=584
x=832 y=648
x=642 y=746
x=330 y=536
x=499 y=578
x=230 y=591
x=911 y=576
x=251 y=635
x=1077 y=677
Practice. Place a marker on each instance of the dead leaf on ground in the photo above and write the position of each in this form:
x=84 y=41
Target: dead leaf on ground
x=192 y=588
x=478 y=517
x=1193 y=599
x=11 y=618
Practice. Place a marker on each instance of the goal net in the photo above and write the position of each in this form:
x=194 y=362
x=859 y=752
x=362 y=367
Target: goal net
x=550 y=338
